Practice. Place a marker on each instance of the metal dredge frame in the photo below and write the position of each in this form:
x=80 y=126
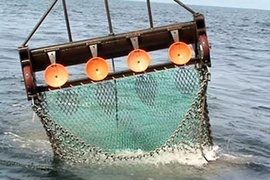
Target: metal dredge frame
x=112 y=46
x=109 y=47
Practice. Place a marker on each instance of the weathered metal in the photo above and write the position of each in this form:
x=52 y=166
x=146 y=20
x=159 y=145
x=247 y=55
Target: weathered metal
x=94 y=121
x=112 y=46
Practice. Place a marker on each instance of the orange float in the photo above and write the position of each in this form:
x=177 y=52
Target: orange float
x=179 y=53
x=97 y=68
x=55 y=75
x=138 y=60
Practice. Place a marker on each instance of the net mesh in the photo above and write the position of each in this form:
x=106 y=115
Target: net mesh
x=151 y=112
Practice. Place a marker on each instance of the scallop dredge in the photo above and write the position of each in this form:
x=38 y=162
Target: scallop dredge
x=111 y=114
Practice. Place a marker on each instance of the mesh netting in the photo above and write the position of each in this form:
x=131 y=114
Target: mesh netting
x=151 y=112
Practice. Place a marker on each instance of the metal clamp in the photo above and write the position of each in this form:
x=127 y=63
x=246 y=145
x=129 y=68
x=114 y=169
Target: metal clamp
x=93 y=49
x=135 y=42
x=175 y=35
x=52 y=56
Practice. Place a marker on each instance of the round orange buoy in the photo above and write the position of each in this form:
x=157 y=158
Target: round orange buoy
x=55 y=75
x=179 y=53
x=97 y=68
x=138 y=60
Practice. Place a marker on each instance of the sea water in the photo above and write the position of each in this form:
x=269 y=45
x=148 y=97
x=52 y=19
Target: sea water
x=238 y=93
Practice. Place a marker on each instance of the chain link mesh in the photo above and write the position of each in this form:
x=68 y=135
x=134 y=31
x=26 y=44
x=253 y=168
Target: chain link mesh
x=153 y=112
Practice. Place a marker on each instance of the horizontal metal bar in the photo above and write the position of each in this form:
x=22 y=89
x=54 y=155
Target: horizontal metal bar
x=120 y=74
x=113 y=46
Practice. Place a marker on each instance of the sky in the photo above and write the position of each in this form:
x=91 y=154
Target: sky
x=250 y=4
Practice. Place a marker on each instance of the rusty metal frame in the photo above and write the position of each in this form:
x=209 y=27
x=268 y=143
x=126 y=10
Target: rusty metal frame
x=112 y=46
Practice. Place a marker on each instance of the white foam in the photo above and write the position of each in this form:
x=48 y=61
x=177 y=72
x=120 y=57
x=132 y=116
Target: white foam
x=35 y=145
x=236 y=158
x=171 y=155
x=194 y=158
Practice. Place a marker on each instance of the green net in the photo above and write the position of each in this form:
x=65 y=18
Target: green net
x=151 y=112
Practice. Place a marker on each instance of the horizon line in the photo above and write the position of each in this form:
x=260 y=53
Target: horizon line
x=220 y=6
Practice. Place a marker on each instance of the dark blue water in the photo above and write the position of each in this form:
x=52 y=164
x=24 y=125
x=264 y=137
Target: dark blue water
x=238 y=94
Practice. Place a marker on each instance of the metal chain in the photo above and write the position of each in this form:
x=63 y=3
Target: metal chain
x=55 y=131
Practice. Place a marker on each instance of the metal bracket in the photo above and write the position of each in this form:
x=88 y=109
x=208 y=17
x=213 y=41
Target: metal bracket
x=200 y=50
x=52 y=56
x=175 y=35
x=135 y=42
x=208 y=74
x=93 y=49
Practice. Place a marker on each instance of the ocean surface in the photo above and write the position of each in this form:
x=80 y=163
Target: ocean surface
x=238 y=93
